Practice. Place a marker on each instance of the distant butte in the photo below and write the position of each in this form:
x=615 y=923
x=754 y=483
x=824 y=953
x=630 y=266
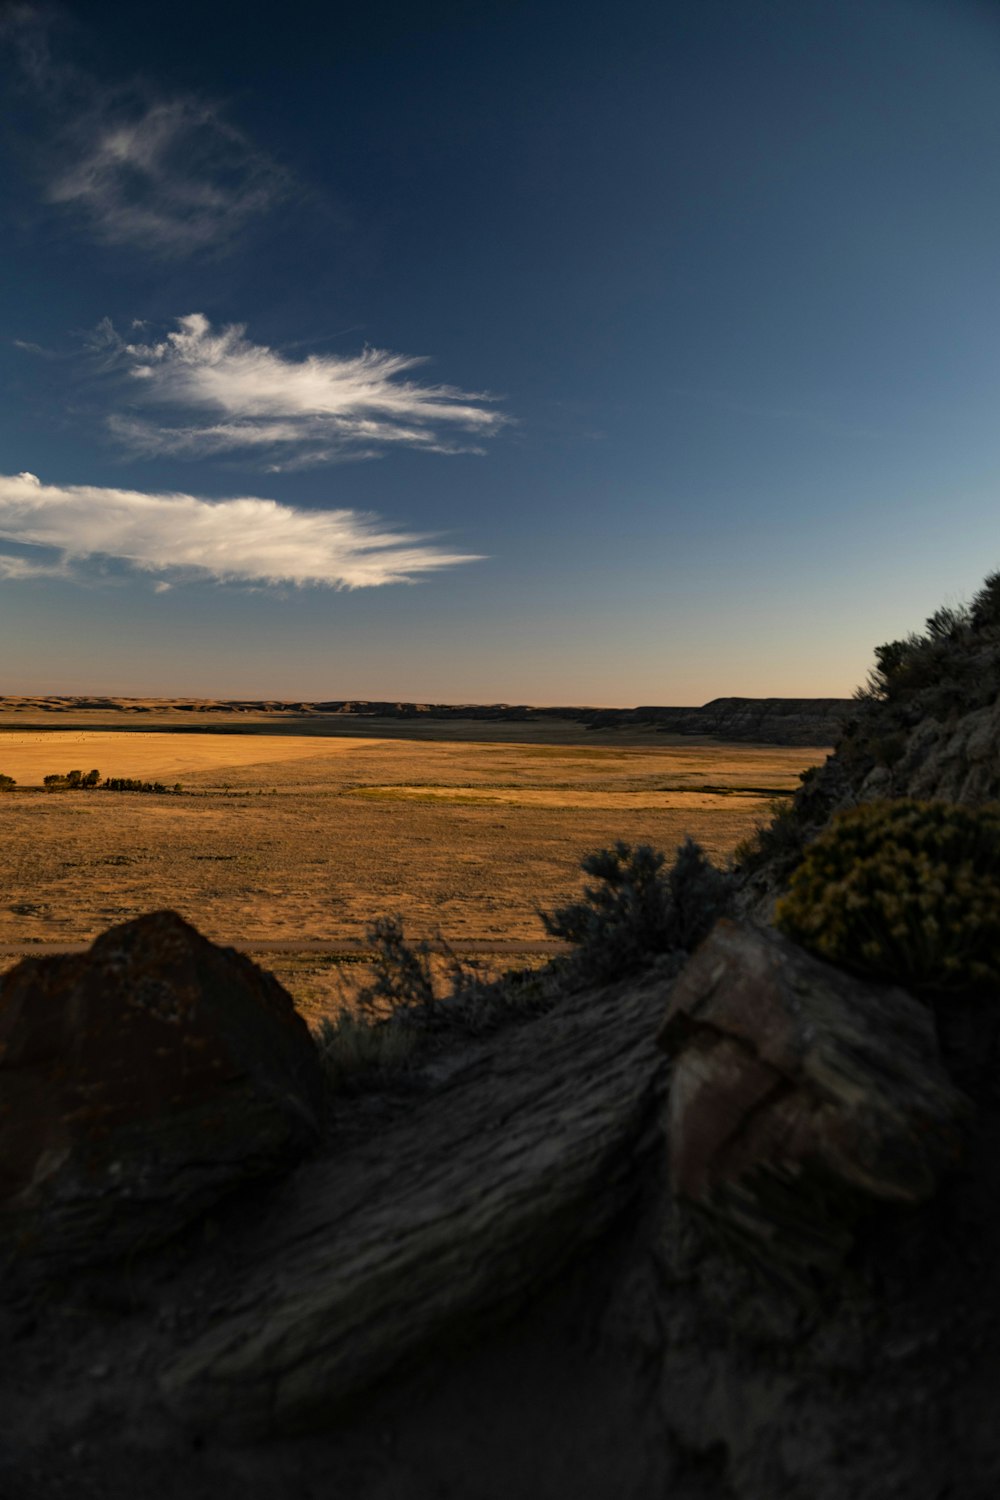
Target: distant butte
x=774 y=721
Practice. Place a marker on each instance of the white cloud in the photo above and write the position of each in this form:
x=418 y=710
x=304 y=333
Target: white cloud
x=165 y=174
x=292 y=413
x=246 y=540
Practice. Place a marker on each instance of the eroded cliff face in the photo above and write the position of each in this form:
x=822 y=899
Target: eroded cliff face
x=766 y=721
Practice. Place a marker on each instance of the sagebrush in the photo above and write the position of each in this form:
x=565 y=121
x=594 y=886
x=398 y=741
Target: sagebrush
x=640 y=909
x=412 y=1003
x=906 y=891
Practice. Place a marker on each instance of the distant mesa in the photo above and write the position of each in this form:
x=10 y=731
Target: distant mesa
x=769 y=721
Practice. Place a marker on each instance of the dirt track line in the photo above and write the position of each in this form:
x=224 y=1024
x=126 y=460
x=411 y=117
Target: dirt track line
x=311 y=945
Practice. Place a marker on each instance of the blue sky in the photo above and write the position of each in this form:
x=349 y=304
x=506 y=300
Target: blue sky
x=536 y=352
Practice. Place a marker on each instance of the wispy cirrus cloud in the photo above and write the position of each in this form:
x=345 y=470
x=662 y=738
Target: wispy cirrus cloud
x=244 y=540
x=24 y=30
x=168 y=175
x=226 y=394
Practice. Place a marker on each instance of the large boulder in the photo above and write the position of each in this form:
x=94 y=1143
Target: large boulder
x=139 y=1083
x=800 y=1097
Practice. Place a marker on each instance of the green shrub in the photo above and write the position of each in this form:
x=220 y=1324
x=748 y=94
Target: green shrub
x=888 y=749
x=457 y=997
x=984 y=610
x=905 y=891
x=638 y=912
x=358 y=1051
x=776 y=840
x=383 y=1039
x=403 y=978
x=375 y=1041
x=952 y=666
x=7 y=783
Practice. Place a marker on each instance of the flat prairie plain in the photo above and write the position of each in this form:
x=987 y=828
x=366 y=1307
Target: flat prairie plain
x=290 y=832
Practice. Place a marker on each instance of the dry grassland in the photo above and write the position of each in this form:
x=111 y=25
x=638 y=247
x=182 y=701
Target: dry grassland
x=290 y=837
x=30 y=755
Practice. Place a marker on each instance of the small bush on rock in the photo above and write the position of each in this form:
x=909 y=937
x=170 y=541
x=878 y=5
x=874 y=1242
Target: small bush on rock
x=905 y=891
x=637 y=912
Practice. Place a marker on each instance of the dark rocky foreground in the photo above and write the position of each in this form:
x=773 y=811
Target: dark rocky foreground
x=767 y=721
x=560 y=1261
x=139 y=1084
x=726 y=1229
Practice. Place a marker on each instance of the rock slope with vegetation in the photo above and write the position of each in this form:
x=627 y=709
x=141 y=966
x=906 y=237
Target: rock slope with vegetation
x=926 y=725
x=708 y=1208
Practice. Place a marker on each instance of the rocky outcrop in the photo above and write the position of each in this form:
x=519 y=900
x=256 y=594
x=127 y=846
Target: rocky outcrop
x=950 y=761
x=489 y=1283
x=926 y=726
x=453 y=1218
x=798 y=1101
x=800 y=1097
x=138 y=1084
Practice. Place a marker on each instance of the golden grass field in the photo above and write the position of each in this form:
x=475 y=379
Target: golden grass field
x=291 y=836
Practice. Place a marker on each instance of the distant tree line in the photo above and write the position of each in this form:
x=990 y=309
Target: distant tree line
x=72 y=780
x=76 y=780
x=130 y=784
